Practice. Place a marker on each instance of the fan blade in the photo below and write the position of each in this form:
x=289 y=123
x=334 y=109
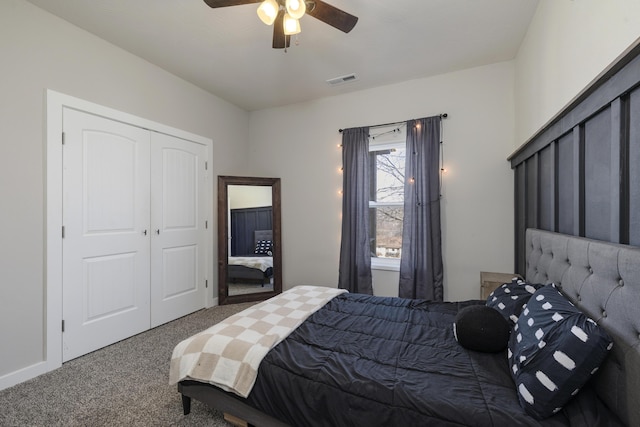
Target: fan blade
x=333 y=16
x=225 y=3
x=280 y=41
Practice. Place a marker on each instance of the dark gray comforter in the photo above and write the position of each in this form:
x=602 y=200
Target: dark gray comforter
x=374 y=361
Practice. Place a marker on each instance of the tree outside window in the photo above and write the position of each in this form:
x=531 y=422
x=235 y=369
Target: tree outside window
x=386 y=205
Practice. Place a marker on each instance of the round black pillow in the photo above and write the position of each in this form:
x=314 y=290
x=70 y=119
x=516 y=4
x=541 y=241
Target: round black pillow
x=481 y=328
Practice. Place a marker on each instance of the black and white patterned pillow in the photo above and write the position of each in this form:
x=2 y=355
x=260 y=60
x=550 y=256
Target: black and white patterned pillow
x=509 y=298
x=263 y=247
x=554 y=350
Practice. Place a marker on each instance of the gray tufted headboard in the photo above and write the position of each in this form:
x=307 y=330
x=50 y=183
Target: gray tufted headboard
x=603 y=280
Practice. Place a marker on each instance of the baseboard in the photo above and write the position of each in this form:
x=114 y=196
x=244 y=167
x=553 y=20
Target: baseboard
x=24 y=374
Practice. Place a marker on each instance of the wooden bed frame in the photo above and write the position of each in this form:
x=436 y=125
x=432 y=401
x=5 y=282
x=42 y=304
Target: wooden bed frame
x=242 y=274
x=225 y=402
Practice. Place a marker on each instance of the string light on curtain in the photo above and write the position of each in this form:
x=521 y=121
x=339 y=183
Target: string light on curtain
x=443 y=169
x=340 y=172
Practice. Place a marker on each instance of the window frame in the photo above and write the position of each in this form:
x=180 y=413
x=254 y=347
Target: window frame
x=378 y=263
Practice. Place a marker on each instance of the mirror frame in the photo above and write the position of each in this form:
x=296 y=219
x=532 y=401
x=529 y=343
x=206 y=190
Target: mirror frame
x=223 y=238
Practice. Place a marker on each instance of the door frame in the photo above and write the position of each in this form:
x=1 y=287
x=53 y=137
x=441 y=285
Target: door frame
x=55 y=103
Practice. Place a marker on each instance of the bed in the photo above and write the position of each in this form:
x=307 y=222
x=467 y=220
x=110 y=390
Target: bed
x=402 y=365
x=255 y=268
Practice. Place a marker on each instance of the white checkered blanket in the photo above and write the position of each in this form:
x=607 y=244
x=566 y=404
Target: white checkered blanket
x=262 y=263
x=228 y=354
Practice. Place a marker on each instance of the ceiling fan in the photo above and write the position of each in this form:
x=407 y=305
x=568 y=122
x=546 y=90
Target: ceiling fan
x=284 y=15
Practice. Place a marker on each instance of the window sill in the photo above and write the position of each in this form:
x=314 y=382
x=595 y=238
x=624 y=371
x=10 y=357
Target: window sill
x=385 y=264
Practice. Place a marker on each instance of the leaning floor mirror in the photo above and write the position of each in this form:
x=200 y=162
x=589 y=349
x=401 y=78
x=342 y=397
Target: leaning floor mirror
x=249 y=241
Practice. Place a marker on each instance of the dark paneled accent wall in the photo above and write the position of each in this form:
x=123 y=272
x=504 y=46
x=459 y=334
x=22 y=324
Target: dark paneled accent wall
x=634 y=169
x=244 y=222
x=580 y=174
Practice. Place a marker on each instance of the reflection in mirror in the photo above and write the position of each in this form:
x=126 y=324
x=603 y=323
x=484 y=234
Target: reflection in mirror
x=249 y=255
x=250 y=239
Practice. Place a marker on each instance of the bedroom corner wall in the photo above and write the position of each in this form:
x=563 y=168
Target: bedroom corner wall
x=299 y=143
x=568 y=44
x=39 y=52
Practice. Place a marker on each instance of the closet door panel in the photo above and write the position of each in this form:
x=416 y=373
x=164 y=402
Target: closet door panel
x=106 y=242
x=178 y=217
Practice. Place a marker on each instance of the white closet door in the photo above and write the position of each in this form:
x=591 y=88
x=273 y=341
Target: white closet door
x=106 y=249
x=178 y=215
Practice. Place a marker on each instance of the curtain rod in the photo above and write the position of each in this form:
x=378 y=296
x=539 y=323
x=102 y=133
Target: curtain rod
x=442 y=116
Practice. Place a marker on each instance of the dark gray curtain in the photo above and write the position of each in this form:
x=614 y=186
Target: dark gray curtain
x=355 y=254
x=421 y=264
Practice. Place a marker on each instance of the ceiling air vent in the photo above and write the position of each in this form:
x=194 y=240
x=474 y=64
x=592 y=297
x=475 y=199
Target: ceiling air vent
x=342 y=80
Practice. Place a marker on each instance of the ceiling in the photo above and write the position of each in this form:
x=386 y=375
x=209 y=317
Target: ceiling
x=227 y=51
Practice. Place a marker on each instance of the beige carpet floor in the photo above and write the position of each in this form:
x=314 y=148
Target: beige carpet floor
x=125 y=384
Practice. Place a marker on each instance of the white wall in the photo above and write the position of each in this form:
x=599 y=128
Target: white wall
x=39 y=52
x=301 y=142
x=569 y=42
x=248 y=196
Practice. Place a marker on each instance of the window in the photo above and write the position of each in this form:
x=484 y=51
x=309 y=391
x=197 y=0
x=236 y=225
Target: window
x=386 y=202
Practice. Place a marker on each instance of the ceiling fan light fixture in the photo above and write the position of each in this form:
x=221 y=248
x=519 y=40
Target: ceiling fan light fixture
x=296 y=8
x=291 y=25
x=285 y=14
x=268 y=11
